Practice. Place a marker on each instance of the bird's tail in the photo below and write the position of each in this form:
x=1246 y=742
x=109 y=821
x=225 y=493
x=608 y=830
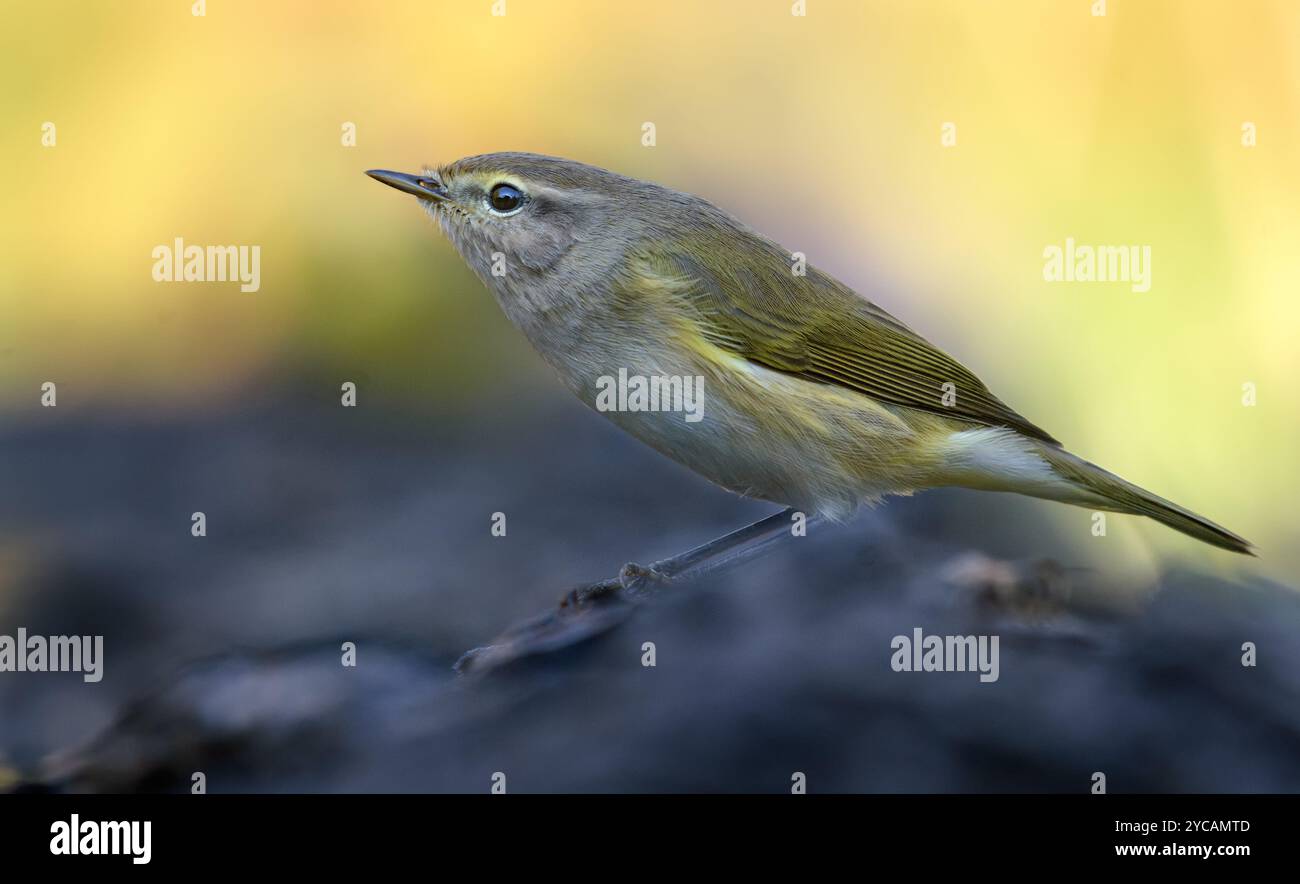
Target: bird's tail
x=1105 y=490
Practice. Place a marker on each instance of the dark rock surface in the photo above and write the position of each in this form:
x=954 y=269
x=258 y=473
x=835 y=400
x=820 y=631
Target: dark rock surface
x=328 y=526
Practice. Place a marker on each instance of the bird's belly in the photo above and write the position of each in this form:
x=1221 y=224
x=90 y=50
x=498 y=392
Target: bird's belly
x=754 y=431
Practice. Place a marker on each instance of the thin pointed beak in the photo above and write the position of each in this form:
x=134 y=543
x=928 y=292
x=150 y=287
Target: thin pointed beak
x=423 y=186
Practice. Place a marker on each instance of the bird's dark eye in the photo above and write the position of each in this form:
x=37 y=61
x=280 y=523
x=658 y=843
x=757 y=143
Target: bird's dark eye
x=505 y=198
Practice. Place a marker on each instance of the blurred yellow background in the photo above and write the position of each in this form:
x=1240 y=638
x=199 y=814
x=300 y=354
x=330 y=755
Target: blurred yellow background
x=823 y=131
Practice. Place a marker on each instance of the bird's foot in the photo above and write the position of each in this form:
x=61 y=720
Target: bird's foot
x=632 y=583
x=637 y=580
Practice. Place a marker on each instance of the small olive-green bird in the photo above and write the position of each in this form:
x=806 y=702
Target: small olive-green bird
x=813 y=396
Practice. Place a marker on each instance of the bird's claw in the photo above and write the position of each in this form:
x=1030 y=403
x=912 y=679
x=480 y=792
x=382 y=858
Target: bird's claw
x=636 y=578
x=633 y=580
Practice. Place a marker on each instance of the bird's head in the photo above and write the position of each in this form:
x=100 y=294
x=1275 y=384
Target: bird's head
x=528 y=214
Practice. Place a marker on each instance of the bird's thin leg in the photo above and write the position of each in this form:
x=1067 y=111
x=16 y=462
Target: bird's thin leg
x=728 y=550
x=586 y=611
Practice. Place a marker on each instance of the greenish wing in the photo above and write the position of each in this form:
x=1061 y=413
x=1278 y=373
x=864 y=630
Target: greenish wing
x=815 y=328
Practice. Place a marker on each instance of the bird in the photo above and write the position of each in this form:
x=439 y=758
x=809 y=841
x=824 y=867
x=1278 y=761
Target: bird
x=814 y=397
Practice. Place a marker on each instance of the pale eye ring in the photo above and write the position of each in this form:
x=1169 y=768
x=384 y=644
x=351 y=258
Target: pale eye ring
x=505 y=198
